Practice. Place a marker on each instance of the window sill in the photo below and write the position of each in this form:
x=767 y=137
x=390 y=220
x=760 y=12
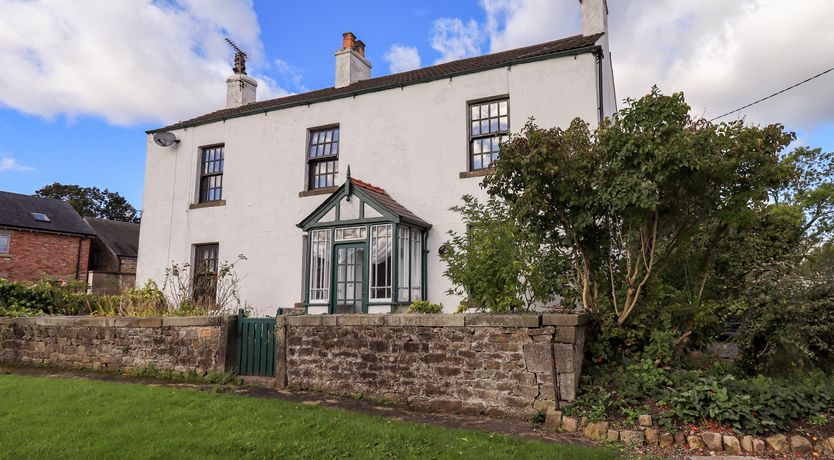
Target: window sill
x=477 y=173
x=5 y=255
x=207 y=204
x=318 y=191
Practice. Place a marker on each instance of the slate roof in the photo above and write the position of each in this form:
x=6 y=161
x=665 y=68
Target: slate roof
x=578 y=43
x=16 y=212
x=120 y=237
x=383 y=198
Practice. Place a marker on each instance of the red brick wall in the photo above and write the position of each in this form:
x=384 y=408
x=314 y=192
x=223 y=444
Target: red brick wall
x=34 y=255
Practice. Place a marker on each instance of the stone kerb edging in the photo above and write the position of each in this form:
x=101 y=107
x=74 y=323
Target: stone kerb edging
x=652 y=436
x=96 y=321
x=440 y=320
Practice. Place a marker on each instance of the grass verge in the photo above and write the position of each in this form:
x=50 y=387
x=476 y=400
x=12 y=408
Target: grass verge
x=47 y=417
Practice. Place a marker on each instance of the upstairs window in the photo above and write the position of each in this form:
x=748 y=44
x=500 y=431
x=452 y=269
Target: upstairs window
x=211 y=174
x=323 y=158
x=4 y=243
x=489 y=126
x=205 y=273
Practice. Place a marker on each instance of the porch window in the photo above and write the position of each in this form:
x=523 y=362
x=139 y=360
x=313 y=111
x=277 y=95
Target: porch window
x=205 y=273
x=403 y=255
x=211 y=174
x=409 y=264
x=320 y=248
x=323 y=158
x=381 y=236
x=489 y=126
x=416 y=264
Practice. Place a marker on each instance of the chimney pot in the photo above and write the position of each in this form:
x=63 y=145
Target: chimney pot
x=359 y=47
x=348 y=40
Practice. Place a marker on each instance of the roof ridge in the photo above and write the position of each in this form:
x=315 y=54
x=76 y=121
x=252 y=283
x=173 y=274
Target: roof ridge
x=33 y=196
x=368 y=185
x=409 y=77
x=109 y=221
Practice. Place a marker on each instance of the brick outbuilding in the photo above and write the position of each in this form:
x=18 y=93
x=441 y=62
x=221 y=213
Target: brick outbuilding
x=42 y=238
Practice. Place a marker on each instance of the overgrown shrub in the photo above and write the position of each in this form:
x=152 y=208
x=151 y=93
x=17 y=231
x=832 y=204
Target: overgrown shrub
x=497 y=264
x=692 y=396
x=424 y=306
x=46 y=297
x=56 y=297
x=788 y=319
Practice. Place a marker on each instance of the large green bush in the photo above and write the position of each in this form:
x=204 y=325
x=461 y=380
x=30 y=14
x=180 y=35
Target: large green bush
x=497 y=264
x=55 y=297
x=788 y=316
x=47 y=297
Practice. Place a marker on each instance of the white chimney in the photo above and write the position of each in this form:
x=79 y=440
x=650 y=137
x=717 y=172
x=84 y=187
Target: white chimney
x=594 y=17
x=240 y=88
x=351 y=65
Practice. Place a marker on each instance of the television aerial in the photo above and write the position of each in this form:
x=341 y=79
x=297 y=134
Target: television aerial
x=240 y=58
x=165 y=139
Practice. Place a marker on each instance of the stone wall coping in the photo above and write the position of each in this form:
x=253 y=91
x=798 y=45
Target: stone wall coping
x=426 y=320
x=117 y=321
x=564 y=319
x=503 y=320
x=439 y=320
x=181 y=321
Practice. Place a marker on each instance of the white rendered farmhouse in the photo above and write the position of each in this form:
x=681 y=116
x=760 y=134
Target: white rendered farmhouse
x=339 y=198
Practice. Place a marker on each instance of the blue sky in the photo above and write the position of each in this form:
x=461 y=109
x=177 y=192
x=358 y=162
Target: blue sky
x=76 y=98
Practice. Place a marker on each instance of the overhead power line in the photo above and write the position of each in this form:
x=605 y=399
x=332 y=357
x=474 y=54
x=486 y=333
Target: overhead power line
x=774 y=94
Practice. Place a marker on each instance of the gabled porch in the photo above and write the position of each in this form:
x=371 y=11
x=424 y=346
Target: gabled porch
x=365 y=252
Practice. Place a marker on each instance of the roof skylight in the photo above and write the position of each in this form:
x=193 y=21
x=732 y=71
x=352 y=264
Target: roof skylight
x=40 y=217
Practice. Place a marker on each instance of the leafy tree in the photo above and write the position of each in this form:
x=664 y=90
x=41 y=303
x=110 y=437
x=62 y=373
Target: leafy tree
x=789 y=324
x=496 y=264
x=619 y=205
x=811 y=191
x=92 y=202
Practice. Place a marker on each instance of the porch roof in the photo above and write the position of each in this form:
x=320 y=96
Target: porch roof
x=377 y=197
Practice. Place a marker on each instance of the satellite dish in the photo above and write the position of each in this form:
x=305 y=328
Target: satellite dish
x=165 y=139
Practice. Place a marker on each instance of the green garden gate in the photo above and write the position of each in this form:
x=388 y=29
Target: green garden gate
x=255 y=345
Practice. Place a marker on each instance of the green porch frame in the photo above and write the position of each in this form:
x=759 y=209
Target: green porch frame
x=360 y=220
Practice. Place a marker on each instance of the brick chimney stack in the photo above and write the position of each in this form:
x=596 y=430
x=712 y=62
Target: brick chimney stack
x=351 y=65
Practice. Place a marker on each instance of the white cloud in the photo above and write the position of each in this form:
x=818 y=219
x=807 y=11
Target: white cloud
x=454 y=39
x=401 y=58
x=291 y=74
x=128 y=61
x=9 y=164
x=721 y=54
x=515 y=23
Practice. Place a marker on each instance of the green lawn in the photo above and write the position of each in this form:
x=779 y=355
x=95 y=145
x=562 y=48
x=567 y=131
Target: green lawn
x=46 y=417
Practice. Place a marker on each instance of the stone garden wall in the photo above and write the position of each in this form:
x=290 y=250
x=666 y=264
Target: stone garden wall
x=181 y=344
x=491 y=364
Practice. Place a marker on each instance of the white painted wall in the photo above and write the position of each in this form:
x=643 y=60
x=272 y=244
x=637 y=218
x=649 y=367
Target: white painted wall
x=411 y=141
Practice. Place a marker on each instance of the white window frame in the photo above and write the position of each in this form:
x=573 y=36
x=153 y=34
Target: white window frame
x=320 y=240
x=371 y=263
x=416 y=265
x=8 y=238
x=403 y=264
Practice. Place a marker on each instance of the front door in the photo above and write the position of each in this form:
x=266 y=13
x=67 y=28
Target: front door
x=350 y=279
